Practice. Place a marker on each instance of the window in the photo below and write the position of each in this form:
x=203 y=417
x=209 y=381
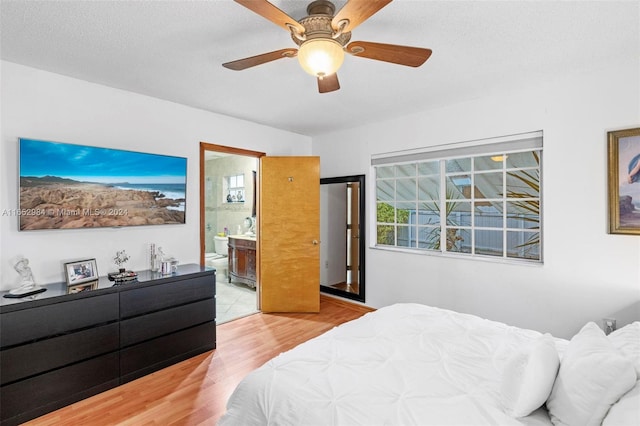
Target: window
x=234 y=188
x=476 y=200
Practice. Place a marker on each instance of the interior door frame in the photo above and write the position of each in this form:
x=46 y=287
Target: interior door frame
x=204 y=147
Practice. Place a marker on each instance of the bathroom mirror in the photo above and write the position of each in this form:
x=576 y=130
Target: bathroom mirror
x=342 y=234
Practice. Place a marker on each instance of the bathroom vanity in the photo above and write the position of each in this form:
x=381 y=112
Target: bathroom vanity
x=242 y=259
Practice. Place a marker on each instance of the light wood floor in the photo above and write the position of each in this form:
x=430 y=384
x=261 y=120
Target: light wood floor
x=195 y=391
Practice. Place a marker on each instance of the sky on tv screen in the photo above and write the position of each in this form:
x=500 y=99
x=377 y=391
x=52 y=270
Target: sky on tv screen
x=100 y=165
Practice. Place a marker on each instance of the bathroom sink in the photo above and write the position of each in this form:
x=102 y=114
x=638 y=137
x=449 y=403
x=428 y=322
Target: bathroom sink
x=245 y=236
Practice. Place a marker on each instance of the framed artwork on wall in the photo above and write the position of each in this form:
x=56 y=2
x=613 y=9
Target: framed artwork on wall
x=134 y=188
x=624 y=181
x=81 y=271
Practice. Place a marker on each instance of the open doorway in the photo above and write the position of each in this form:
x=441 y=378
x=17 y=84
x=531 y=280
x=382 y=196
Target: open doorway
x=228 y=218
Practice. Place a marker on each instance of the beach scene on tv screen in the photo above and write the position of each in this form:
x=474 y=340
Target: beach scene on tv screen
x=66 y=186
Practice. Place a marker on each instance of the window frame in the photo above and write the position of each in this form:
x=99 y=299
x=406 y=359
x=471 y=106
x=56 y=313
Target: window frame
x=473 y=150
x=227 y=188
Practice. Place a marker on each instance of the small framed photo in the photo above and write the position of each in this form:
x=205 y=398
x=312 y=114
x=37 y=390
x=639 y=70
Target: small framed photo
x=81 y=271
x=624 y=181
x=79 y=288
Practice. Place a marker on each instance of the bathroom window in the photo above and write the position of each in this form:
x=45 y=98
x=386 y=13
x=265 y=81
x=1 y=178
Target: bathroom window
x=476 y=199
x=234 y=189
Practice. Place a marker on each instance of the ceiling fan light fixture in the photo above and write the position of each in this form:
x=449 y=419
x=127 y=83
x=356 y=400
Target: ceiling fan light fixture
x=320 y=57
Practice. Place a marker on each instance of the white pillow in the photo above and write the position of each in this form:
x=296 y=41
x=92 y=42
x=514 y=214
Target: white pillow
x=627 y=340
x=625 y=412
x=528 y=377
x=593 y=375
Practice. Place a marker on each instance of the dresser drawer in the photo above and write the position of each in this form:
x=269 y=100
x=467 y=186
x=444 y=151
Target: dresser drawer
x=35 y=358
x=60 y=318
x=138 y=301
x=156 y=324
x=139 y=360
x=38 y=395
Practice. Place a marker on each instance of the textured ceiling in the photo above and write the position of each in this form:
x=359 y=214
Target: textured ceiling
x=173 y=50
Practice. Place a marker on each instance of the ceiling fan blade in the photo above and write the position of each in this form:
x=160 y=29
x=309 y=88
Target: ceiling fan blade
x=252 y=61
x=272 y=13
x=328 y=83
x=356 y=12
x=401 y=55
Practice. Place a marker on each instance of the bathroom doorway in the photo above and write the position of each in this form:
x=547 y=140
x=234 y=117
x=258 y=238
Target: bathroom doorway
x=228 y=210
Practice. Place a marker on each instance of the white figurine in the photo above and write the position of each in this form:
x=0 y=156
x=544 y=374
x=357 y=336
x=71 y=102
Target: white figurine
x=26 y=283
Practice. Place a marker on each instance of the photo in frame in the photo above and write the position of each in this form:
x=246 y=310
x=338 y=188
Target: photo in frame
x=81 y=271
x=624 y=181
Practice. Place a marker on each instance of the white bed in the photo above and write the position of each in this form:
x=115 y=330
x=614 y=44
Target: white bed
x=410 y=364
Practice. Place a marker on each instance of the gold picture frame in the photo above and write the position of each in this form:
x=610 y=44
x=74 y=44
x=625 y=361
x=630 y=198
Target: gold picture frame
x=624 y=181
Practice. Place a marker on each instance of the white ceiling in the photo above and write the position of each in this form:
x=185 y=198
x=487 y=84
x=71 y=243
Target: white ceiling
x=173 y=50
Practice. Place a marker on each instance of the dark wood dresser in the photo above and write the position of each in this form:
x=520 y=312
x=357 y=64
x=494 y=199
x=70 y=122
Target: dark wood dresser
x=58 y=348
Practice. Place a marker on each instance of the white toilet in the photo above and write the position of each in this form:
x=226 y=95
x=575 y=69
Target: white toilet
x=219 y=260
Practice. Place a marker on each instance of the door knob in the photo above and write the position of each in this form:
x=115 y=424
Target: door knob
x=315 y=242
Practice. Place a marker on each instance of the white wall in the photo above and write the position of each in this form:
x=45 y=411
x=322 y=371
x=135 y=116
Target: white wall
x=587 y=273
x=43 y=105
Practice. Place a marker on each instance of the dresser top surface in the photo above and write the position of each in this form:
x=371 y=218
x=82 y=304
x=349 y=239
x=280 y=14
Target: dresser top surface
x=60 y=291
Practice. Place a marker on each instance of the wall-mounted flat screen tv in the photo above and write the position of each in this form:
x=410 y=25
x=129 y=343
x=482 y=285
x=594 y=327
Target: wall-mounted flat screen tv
x=67 y=186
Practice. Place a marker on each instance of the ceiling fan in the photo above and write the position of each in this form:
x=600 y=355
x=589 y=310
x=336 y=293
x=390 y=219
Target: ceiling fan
x=322 y=38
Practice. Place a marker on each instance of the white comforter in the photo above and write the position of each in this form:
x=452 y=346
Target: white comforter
x=405 y=364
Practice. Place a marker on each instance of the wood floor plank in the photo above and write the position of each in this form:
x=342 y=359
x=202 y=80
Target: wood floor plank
x=195 y=391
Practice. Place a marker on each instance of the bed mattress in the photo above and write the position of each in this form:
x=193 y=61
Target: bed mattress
x=405 y=364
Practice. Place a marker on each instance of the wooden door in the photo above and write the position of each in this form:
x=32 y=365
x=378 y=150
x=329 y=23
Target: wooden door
x=289 y=234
